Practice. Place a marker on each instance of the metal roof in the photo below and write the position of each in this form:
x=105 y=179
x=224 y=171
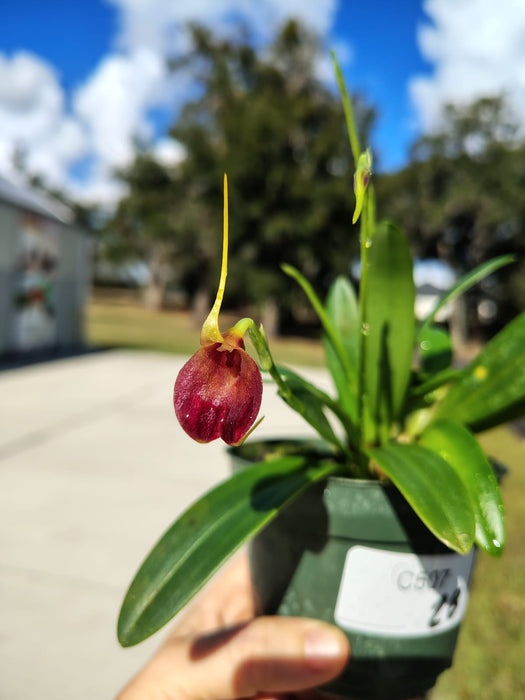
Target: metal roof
x=25 y=197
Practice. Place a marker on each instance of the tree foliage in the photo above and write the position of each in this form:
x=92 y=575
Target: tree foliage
x=143 y=227
x=461 y=199
x=267 y=121
x=279 y=134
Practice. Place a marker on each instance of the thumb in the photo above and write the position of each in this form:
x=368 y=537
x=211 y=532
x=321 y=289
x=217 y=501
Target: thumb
x=265 y=655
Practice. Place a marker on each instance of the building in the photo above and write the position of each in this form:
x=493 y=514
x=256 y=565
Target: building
x=433 y=278
x=44 y=273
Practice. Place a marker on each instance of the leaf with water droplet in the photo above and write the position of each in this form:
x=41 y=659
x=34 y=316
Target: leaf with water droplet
x=460 y=449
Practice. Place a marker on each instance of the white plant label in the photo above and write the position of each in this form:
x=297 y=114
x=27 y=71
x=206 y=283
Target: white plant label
x=401 y=594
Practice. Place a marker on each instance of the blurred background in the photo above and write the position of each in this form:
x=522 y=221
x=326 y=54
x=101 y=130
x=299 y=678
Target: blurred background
x=129 y=113
x=118 y=119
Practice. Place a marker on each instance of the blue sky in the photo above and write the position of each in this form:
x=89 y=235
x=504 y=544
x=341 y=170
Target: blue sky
x=79 y=80
x=383 y=39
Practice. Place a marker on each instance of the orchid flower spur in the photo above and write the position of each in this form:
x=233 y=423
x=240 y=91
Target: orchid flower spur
x=218 y=391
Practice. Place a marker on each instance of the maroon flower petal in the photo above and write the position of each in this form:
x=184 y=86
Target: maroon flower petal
x=218 y=393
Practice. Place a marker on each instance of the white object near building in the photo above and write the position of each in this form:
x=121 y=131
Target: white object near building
x=44 y=272
x=432 y=279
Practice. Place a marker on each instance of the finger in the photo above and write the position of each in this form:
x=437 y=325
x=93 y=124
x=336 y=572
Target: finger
x=226 y=601
x=266 y=655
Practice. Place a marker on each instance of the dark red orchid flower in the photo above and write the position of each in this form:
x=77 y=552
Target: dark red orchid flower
x=218 y=391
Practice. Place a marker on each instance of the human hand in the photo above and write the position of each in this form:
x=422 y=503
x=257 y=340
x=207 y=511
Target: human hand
x=220 y=650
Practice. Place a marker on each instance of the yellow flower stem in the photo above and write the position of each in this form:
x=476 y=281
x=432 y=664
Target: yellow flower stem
x=210 y=332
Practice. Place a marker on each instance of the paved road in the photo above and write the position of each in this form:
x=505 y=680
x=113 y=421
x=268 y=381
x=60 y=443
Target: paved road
x=93 y=468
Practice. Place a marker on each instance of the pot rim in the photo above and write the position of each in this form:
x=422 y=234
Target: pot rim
x=235 y=452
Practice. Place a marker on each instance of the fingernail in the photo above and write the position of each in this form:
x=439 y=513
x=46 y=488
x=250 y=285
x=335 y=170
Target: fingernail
x=322 y=648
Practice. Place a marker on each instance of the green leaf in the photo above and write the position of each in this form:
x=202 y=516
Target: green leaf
x=389 y=326
x=465 y=283
x=326 y=322
x=349 y=114
x=435 y=349
x=313 y=399
x=434 y=382
x=343 y=312
x=491 y=390
x=433 y=489
x=460 y=449
x=260 y=343
x=203 y=538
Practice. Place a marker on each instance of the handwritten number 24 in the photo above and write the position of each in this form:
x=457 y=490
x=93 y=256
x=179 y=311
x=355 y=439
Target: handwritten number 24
x=444 y=601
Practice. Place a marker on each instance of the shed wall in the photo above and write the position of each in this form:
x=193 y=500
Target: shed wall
x=9 y=223
x=43 y=281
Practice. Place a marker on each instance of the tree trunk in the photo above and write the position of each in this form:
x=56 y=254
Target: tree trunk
x=270 y=317
x=200 y=307
x=160 y=272
x=154 y=296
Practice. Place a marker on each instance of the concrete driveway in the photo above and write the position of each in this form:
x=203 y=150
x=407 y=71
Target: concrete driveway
x=93 y=468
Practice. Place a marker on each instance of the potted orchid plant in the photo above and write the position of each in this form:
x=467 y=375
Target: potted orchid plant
x=372 y=526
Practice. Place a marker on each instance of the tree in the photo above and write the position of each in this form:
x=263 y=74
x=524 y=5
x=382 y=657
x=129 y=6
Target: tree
x=461 y=199
x=279 y=134
x=141 y=227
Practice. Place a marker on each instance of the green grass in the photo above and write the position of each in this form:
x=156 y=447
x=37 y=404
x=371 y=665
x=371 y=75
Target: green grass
x=489 y=662
x=119 y=321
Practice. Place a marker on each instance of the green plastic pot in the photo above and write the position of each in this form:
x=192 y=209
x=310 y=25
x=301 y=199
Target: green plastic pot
x=352 y=552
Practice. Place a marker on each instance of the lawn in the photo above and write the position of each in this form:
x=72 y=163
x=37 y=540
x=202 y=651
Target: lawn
x=489 y=663
x=119 y=321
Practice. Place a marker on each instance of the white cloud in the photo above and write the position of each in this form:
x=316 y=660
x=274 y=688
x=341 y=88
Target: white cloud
x=158 y=24
x=101 y=188
x=33 y=119
x=168 y=151
x=53 y=155
x=31 y=99
x=477 y=48
x=113 y=104
x=97 y=128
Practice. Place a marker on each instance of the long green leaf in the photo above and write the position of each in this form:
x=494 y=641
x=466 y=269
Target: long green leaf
x=301 y=387
x=389 y=326
x=435 y=381
x=349 y=114
x=203 y=538
x=460 y=449
x=343 y=312
x=491 y=390
x=465 y=283
x=433 y=489
x=313 y=401
x=326 y=322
